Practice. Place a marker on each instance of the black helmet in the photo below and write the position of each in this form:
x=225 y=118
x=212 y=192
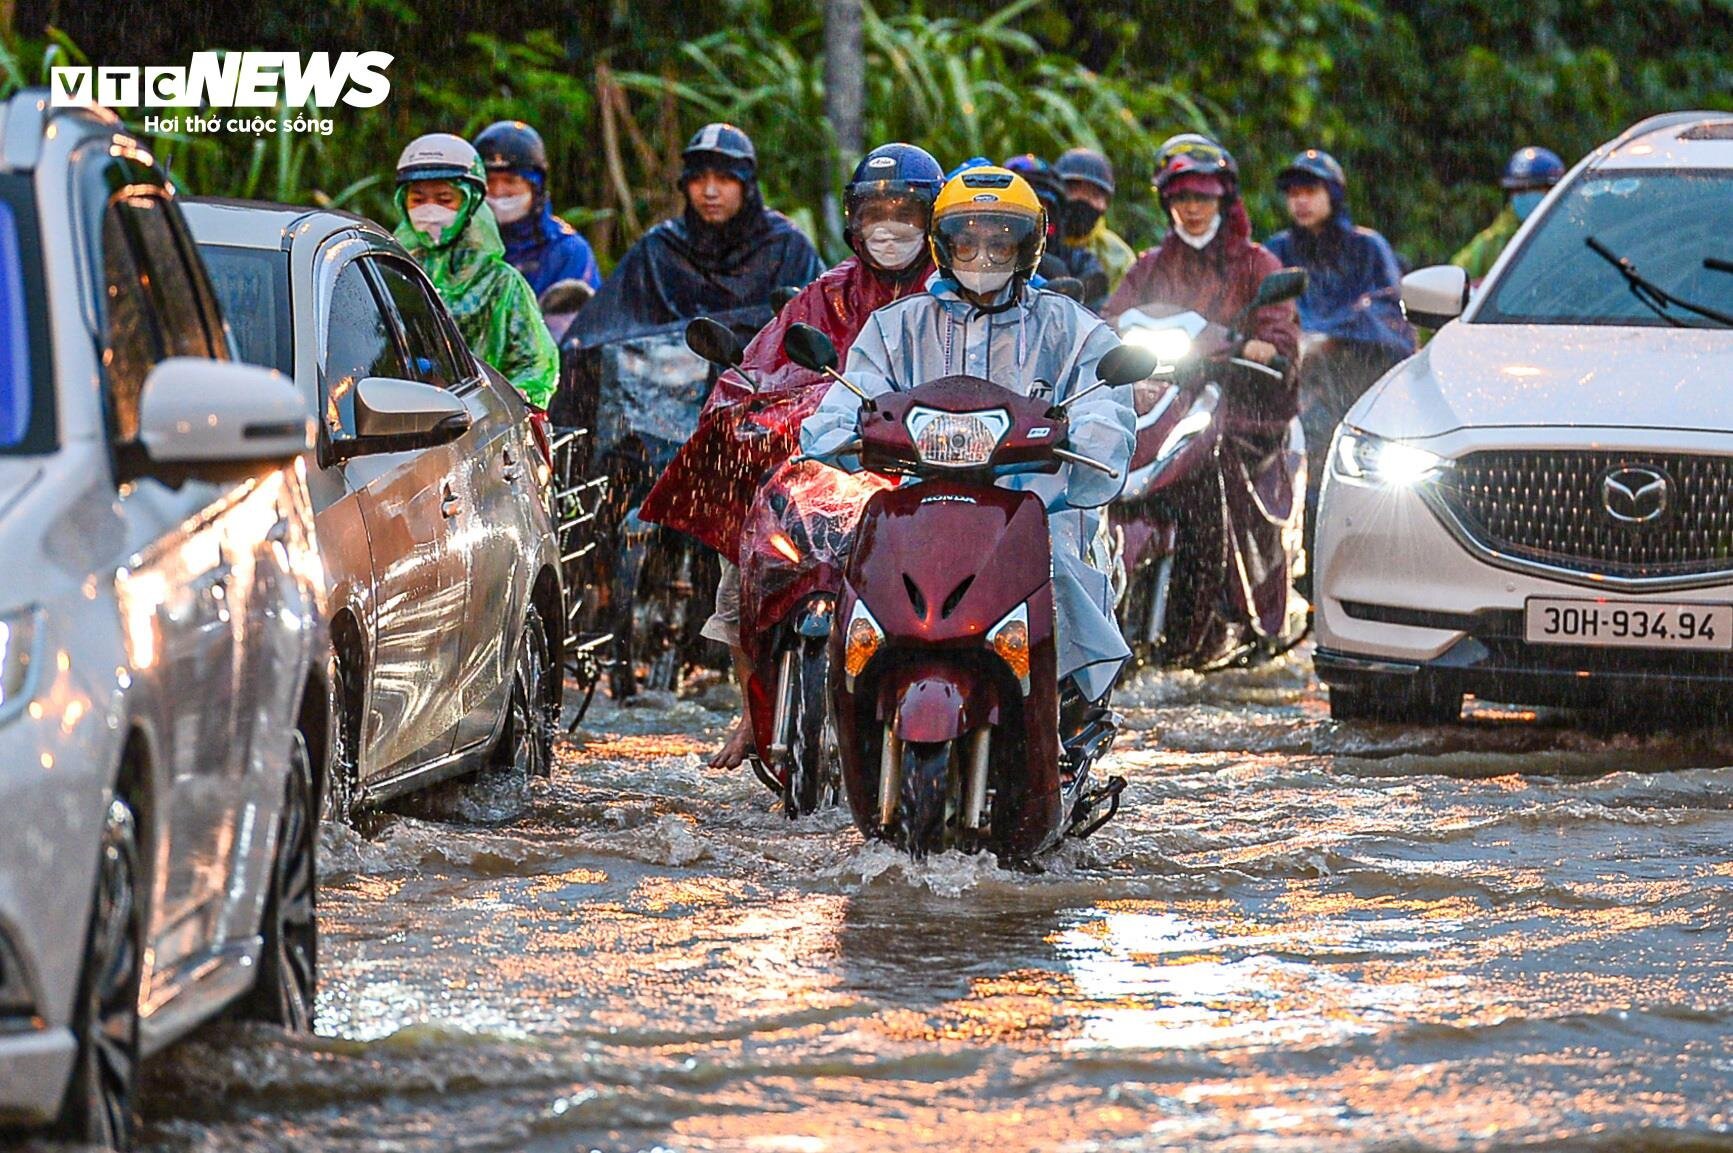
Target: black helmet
x=720 y=147
x=1087 y=165
x=1313 y=166
x=511 y=146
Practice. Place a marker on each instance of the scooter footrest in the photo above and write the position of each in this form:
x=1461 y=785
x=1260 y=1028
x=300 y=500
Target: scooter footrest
x=1084 y=820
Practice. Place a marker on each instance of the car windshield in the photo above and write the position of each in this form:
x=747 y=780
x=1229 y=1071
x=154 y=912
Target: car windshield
x=26 y=402
x=252 y=285
x=1664 y=223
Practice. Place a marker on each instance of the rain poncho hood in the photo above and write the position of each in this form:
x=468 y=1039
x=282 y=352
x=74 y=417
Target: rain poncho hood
x=1352 y=280
x=708 y=489
x=493 y=305
x=1480 y=254
x=1110 y=248
x=685 y=267
x=544 y=248
x=1037 y=341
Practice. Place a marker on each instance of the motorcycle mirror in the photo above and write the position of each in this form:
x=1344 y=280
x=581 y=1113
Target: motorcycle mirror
x=565 y=296
x=810 y=348
x=1282 y=284
x=712 y=340
x=1127 y=364
x=1066 y=286
x=779 y=297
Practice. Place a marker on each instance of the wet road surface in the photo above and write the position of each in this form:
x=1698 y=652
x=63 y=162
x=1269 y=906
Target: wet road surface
x=1514 y=933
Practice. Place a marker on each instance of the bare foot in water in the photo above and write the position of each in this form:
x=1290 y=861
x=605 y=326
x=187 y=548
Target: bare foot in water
x=734 y=750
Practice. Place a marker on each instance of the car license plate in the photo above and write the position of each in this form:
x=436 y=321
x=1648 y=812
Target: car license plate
x=1628 y=624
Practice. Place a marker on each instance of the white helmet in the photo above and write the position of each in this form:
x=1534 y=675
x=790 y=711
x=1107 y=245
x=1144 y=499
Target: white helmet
x=441 y=156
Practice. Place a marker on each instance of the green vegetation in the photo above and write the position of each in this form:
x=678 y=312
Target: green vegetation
x=1421 y=100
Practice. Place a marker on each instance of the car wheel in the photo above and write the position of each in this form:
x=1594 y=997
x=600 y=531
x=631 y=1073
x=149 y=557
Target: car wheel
x=1399 y=702
x=533 y=720
x=98 y=1108
x=288 y=979
x=337 y=798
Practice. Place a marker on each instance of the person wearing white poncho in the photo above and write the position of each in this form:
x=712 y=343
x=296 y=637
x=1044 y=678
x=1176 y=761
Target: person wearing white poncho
x=979 y=317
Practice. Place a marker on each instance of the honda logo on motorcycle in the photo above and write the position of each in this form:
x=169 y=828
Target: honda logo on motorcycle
x=1633 y=494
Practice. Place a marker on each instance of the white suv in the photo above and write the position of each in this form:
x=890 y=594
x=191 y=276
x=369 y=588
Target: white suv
x=1538 y=508
x=163 y=698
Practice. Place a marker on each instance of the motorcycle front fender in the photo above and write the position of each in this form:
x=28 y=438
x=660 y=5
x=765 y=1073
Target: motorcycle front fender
x=933 y=700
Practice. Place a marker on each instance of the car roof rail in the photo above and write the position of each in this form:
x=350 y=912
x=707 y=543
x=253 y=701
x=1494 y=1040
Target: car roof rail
x=1655 y=124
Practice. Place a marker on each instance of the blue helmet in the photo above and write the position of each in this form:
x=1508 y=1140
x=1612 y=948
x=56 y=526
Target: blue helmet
x=902 y=171
x=971 y=162
x=1313 y=166
x=1532 y=167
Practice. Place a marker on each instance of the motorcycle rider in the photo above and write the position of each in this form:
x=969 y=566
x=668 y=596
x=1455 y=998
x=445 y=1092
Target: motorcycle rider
x=538 y=244
x=979 y=316
x=708 y=489
x=449 y=230
x=1089 y=188
x=1528 y=174
x=725 y=253
x=1061 y=258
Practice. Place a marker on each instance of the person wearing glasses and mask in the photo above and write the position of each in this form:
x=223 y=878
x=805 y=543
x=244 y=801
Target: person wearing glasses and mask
x=980 y=316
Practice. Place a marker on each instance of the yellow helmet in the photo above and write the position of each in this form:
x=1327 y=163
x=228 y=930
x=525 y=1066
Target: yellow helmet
x=988 y=212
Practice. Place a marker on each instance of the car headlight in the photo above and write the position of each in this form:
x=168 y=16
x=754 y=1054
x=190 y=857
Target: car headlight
x=1374 y=460
x=18 y=634
x=956 y=439
x=1170 y=345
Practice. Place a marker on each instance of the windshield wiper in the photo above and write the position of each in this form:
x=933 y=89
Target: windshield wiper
x=1650 y=294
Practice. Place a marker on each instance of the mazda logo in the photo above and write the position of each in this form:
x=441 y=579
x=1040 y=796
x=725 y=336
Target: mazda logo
x=1633 y=494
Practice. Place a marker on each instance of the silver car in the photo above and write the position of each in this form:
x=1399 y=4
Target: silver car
x=163 y=687
x=428 y=478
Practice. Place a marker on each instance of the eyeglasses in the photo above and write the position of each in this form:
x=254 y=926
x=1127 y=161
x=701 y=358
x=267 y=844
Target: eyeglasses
x=972 y=238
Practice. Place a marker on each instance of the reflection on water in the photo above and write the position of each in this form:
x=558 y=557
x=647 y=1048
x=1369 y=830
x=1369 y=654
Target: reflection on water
x=1510 y=933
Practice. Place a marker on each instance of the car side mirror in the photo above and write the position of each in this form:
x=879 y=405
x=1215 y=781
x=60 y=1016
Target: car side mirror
x=1433 y=297
x=563 y=296
x=810 y=348
x=1127 y=364
x=394 y=415
x=1280 y=285
x=715 y=342
x=216 y=420
x=1066 y=286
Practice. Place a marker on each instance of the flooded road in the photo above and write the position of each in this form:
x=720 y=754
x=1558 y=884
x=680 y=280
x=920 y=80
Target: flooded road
x=1297 y=936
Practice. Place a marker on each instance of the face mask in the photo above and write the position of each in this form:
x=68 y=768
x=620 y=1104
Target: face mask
x=983 y=283
x=1078 y=218
x=1199 y=242
x=510 y=209
x=431 y=220
x=893 y=245
x=1526 y=202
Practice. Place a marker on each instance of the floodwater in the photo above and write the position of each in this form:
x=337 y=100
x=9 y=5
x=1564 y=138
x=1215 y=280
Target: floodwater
x=1298 y=935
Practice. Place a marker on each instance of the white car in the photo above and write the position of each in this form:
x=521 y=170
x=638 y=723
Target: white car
x=163 y=695
x=1538 y=508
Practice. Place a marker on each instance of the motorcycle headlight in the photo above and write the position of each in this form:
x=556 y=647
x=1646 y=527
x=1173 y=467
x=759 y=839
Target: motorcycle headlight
x=956 y=439
x=18 y=633
x=1170 y=345
x=860 y=641
x=1010 y=640
x=1374 y=460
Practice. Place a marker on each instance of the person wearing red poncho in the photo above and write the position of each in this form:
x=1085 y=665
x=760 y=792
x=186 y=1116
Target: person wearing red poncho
x=709 y=487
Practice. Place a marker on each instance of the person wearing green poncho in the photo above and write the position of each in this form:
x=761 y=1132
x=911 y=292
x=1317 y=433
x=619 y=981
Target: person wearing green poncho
x=449 y=230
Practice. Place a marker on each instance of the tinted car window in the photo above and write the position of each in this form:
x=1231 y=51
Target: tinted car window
x=1666 y=223
x=131 y=340
x=358 y=343
x=252 y=284
x=431 y=356
x=26 y=384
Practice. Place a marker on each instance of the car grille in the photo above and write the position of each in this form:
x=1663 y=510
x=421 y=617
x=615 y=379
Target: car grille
x=1547 y=508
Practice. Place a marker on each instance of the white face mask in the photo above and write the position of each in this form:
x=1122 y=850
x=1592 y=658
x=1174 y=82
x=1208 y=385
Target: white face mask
x=510 y=209
x=432 y=220
x=1202 y=241
x=980 y=283
x=893 y=245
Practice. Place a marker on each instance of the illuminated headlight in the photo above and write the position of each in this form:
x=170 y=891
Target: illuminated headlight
x=1374 y=460
x=1010 y=640
x=956 y=439
x=1170 y=345
x=18 y=634
x=861 y=640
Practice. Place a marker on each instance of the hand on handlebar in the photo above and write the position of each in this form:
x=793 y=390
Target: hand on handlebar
x=1261 y=351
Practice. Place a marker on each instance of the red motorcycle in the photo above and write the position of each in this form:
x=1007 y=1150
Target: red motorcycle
x=944 y=680
x=794 y=543
x=1206 y=535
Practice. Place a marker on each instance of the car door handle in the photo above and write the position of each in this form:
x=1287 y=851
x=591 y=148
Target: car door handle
x=452 y=505
x=513 y=471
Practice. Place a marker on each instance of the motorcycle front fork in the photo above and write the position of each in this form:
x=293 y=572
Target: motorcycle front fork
x=975 y=793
